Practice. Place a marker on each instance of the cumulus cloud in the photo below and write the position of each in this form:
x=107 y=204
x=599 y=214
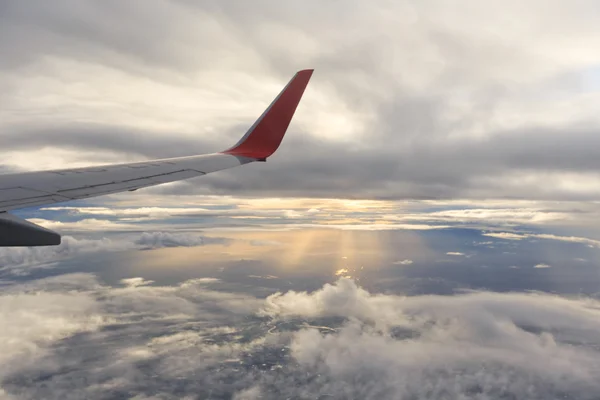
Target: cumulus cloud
x=51 y=324
x=541 y=266
x=435 y=346
x=341 y=341
x=33 y=321
x=70 y=246
x=403 y=262
x=154 y=240
x=16 y=257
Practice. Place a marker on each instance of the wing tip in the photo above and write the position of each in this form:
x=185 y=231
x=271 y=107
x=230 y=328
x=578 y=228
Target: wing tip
x=265 y=136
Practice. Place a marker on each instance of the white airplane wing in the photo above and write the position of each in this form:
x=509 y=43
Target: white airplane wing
x=46 y=187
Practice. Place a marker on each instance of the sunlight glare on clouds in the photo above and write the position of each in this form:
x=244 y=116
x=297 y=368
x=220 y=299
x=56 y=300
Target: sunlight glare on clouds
x=342 y=272
x=331 y=119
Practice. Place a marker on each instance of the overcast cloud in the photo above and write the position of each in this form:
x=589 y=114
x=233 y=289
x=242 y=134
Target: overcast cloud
x=409 y=99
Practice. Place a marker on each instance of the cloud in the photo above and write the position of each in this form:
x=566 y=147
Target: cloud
x=177 y=331
x=16 y=258
x=155 y=240
x=253 y=393
x=488 y=213
x=506 y=235
x=135 y=282
x=32 y=321
x=70 y=247
x=147 y=212
x=436 y=345
x=193 y=338
x=520 y=236
x=455 y=253
x=487 y=107
x=539 y=266
x=86 y=225
x=403 y=262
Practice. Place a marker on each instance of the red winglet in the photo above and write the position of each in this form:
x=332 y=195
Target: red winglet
x=264 y=137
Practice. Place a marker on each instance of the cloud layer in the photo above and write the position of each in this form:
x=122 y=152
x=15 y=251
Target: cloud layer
x=19 y=259
x=409 y=100
x=72 y=337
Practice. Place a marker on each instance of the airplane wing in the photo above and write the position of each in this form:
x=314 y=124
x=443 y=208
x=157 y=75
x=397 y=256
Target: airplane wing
x=46 y=187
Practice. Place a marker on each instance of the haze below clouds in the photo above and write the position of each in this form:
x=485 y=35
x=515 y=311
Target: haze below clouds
x=409 y=99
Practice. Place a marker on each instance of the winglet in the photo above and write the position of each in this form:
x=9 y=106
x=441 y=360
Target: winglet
x=265 y=135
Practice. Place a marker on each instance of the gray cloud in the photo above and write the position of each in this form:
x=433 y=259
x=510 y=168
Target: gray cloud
x=441 y=169
x=116 y=139
x=19 y=260
x=438 y=104
x=154 y=240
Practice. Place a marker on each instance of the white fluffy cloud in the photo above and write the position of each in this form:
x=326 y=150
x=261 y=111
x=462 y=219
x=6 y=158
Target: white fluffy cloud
x=479 y=344
x=170 y=324
x=340 y=341
x=30 y=322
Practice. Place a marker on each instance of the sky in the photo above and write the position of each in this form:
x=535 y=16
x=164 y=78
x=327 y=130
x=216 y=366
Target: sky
x=427 y=229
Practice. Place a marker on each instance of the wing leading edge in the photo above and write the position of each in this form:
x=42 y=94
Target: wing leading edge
x=47 y=187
